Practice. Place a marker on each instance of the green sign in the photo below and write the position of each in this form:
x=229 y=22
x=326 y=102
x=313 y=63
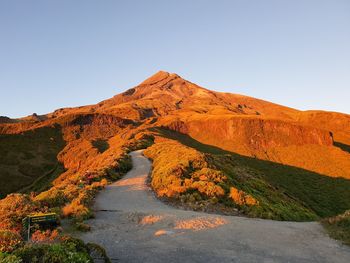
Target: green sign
x=37 y=219
x=42 y=218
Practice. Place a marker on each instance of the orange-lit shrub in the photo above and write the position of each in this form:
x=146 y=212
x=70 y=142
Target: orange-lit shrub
x=14 y=208
x=242 y=198
x=9 y=240
x=205 y=181
x=47 y=236
x=75 y=208
x=52 y=198
x=207 y=174
x=182 y=169
x=74 y=194
x=99 y=185
x=209 y=189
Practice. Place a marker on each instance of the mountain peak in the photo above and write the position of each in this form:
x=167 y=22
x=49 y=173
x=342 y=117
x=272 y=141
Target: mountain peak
x=157 y=77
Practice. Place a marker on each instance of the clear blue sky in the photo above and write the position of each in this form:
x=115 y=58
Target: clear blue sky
x=59 y=53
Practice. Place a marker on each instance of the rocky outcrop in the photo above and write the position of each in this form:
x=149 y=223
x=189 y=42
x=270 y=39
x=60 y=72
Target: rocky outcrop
x=92 y=126
x=250 y=136
x=4 y=119
x=338 y=123
x=95 y=119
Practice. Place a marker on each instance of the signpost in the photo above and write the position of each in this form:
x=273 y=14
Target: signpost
x=39 y=218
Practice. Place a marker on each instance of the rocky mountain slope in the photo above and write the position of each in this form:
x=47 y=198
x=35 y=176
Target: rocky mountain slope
x=233 y=122
x=302 y=144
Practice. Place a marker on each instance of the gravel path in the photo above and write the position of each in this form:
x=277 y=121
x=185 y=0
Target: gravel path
x=134 y=226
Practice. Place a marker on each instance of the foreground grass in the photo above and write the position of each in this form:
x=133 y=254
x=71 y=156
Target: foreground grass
x=65 y=250
x=284 y=192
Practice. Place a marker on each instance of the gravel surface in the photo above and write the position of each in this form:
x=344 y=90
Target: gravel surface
x=134 y=226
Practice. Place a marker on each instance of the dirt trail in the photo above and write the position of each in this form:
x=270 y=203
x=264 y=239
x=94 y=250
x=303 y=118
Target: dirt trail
x=134 y=226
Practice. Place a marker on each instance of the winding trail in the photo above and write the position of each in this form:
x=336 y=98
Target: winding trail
x=134 y=226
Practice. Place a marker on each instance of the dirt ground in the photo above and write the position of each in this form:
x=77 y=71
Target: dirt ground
x=134 y=226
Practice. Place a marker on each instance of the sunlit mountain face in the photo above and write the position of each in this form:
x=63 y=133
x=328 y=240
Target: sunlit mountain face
x=234 y=149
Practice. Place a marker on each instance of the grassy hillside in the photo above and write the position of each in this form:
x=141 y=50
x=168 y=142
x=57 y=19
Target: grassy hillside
x=283 y=192
x=30 y=157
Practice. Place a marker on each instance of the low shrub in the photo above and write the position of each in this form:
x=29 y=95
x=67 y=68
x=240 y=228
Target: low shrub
x=339 y=227
x=182 y=170
x=75 y=208
x=8 y=258
x=81 y=226
x=9 y=240
x=123 y=166
x=242 y=198
x=52 y=198
x=170 y=168
x=68 y=250
x=14 y=208
x=47 y=236
x=97 y=251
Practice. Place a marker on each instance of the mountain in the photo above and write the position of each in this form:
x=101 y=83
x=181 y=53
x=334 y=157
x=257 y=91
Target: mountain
x=286 y=150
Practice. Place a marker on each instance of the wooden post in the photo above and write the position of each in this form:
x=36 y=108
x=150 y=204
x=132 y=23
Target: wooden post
x=28 y=229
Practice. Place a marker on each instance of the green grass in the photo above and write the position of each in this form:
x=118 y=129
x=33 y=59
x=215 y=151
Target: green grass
x=30 y=156
x=284 y=192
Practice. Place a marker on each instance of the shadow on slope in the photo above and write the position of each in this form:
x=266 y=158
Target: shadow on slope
x=342 y=146
x=29 y=160
x=324 y=195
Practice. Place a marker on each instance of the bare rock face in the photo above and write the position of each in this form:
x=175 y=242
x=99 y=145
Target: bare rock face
x=279 y=141
x=92 y=126
x=336 y=122
x=250 y=136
